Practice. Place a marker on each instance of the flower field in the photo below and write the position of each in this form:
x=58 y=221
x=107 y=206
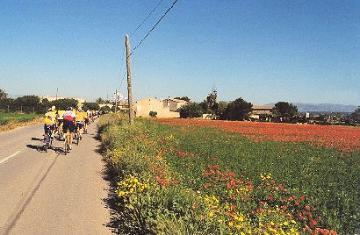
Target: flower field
x=340 y=137
x=186 y=180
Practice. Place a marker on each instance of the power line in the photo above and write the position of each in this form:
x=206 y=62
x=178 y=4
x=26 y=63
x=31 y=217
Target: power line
x=147 y=17
x=152 y=29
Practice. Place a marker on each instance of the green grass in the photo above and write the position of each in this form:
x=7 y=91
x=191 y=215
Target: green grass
x=5 y=118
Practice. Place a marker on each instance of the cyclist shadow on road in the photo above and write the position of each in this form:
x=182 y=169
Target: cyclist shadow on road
x=41 y=148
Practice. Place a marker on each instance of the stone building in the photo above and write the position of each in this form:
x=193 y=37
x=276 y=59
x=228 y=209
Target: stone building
x=166 y=108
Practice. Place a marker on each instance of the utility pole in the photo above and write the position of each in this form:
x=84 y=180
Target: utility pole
x=116 y=96
x=57 y=89
x=128 y=69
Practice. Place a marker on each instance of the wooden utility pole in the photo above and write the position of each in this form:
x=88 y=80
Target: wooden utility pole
x=116 y=93
x=128 y=69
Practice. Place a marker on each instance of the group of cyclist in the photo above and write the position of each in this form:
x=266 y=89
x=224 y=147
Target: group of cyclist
x=69 y=121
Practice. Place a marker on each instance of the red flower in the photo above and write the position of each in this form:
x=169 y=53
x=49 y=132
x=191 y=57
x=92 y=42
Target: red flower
x=313 y=223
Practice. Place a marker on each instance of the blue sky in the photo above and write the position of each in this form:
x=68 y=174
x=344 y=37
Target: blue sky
x=264 y=51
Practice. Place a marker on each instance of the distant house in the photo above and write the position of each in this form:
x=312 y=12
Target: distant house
x=261 y=112
x=175 y=104
x=166 y=108
x=121 y=105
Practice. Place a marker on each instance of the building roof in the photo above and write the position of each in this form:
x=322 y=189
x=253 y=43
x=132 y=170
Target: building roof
x=262 y=107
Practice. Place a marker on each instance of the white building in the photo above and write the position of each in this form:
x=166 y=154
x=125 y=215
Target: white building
x=164 y=108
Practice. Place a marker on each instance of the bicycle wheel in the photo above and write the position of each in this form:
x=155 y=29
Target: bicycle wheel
x=77 y=138
x=65 y=147
x=67 y=143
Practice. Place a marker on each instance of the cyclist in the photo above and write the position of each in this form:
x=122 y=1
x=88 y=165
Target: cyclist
x=69 y=118
x=80 y=121
x=59 y=122
x=49 y=121
x=87 y=121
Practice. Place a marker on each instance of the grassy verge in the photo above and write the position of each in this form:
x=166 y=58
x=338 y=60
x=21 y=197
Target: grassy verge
x=12 y=120
x=204 y=181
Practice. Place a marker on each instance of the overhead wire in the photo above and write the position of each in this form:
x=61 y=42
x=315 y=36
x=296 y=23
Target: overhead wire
x=148 y=33
x=133 y=32
x=153 y=28
x=147 y=17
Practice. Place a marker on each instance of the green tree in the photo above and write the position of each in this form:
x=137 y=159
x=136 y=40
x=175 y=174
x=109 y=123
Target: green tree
x=27 y=103
x=63 y=104
x=221 y=109
x=210 y=104
x=239 y=109
x=90 y=106
x=99 y=100
x=3 y=94
x=191 y=110
x=187 y=99
x=105 y=109
x=153 y=114
x=355 y=116
x=285 y=110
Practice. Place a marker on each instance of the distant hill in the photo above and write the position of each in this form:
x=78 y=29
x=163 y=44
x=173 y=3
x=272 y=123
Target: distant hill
x=325 y=108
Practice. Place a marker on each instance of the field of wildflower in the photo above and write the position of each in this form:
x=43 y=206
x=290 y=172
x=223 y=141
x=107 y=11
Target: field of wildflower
x=186 y=180
x=345 y=138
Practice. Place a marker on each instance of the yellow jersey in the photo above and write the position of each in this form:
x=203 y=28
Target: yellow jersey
x=60 y=114
x=80 y=116
x=49 y=118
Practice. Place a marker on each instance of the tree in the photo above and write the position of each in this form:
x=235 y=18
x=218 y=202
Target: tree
x=191 y=110
x=99 y=100
x=187 y=99
x=63 y=104
x=210 y=104
x=239 y=109
x=355 y=116
x=105 y=109
x=211 y=101
x=90 y=106
x=3 y=94
x=285 y=110
x=221 y=109
x=153 y=114
x=27 y=100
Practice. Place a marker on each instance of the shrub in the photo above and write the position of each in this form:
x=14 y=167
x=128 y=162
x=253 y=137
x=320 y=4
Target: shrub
x=191 y=110
x=152 y=114
x=239 y=109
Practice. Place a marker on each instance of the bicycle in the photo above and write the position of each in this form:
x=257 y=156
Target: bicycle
x=77 y=137
x=48 y=138
x=67 y=142
x=86 y=126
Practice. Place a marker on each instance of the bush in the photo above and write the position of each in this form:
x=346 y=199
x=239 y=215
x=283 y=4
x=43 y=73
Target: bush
x=239 y=110
x=285 y=111
x=90 y=106
x=152 y=114
x=63 y=104
x=191 y=110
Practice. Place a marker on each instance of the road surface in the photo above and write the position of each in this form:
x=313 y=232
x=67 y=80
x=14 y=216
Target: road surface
x=50 y=193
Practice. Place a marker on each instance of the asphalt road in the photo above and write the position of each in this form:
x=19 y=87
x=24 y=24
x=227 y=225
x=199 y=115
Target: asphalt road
x=50 y=193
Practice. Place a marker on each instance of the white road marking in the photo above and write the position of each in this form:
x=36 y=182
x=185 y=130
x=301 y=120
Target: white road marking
x=11 y=156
